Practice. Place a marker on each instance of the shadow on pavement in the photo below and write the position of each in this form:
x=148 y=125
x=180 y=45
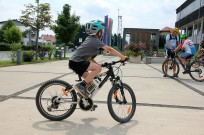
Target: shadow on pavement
x=72 y=128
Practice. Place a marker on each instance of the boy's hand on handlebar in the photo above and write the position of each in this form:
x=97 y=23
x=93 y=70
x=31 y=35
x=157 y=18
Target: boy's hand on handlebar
x=124 y=59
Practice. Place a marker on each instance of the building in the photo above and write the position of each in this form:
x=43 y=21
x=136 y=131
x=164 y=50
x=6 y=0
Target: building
x=47 y=39
x=165 y=31
x=148 y=36
x=29 y=33
x=190 y=19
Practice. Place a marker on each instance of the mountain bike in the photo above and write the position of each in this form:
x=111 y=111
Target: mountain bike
x=57 y=100
x=170 y=68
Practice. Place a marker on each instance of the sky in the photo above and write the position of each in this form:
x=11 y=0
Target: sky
x=152 y=14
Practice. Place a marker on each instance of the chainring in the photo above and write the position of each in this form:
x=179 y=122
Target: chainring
x=85 y=106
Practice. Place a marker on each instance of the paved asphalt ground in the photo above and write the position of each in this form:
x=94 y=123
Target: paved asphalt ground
x=164 y=106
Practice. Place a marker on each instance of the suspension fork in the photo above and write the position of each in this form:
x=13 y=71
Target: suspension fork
x=120 y=86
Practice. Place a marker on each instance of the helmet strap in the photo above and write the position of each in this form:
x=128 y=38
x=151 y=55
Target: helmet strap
x=98 y=35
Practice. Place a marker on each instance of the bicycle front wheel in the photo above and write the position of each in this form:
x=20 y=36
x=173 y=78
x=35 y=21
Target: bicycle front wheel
x=170 y=68
x=122 y=103
x=52 y=103
x=197 y=71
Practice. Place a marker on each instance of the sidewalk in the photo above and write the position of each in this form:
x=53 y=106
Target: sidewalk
x=165 y=106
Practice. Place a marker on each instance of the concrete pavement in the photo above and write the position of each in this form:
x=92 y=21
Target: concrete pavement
x=165 y=106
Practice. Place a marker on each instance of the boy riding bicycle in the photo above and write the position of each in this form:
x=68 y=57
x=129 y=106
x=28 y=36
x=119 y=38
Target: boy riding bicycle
x=82 y=61
x=189 y=50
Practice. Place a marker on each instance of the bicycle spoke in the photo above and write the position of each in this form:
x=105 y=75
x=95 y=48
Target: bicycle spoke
x=121 y=109
x=48 y=97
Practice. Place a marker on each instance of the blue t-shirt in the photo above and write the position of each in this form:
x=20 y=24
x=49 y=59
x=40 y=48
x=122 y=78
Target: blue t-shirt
x=172 y=40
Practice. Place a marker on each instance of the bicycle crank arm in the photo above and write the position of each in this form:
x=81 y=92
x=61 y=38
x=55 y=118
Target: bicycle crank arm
x=67 y=101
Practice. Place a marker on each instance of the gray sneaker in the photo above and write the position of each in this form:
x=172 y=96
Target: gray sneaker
x=81 y=89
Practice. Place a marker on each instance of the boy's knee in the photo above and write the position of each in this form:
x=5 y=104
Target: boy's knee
x=99 y=68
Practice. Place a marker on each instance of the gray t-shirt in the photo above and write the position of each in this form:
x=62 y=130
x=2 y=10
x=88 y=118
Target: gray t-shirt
x=88 y=49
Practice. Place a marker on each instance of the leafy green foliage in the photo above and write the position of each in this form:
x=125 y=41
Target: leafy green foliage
x=13 y=35
x=50 y=50
x=14 y=47
x=67 y=25
x=135 y=49
x=28 y=56
x=29 y=16
x=5 y=27
x=81 y=34
x=28 y=47
x=37 y=16
x=4 y=46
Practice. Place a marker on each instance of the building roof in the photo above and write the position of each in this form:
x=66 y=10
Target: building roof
x=19 y=24
x=166 y=29
x=49 y=38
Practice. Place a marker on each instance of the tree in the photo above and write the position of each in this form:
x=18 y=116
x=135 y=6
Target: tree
x=67 y=26
x=114 y=38
x=37 y=16
x=80 y=34
x=12 y=35
x=5 y=27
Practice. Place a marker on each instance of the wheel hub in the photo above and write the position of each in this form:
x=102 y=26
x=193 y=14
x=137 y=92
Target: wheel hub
x=54 y=102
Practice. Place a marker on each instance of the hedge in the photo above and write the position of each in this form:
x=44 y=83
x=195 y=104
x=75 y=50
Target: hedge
x=4 y=47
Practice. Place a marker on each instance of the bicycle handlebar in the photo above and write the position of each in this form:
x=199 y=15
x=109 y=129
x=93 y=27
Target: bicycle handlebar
x=106 y=64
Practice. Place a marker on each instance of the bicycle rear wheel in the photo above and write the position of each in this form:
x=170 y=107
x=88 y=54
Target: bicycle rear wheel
x=122 y=103
x=197 y=71
x=48 y=105
x=170 y=68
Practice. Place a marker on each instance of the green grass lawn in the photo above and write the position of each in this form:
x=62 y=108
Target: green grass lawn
x=10 y=63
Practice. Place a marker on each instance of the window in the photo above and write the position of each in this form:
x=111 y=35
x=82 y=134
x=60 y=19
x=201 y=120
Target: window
x=195 y=31
x=189 y=31
x=127 y=38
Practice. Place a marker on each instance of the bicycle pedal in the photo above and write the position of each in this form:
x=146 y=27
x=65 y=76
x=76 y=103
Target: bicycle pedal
x=94 y=107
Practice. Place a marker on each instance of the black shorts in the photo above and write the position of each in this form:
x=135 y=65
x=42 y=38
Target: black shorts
x=79 y=67
x=169 y=54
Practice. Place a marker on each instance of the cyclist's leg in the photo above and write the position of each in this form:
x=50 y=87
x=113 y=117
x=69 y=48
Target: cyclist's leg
x=95 y=70
x=172 y=54
x=166 y=65
x=80 y=68
x=182 y=57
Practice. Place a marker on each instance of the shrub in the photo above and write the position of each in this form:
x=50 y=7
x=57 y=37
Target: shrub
x=135 y=49
x=12 y=35
x=28 y=47
x=50 y=50
x=41 y=52
x=4 y=47
x=28 y=56
x=14 y=47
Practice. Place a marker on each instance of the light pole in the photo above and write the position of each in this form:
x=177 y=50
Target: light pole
x=37 y=27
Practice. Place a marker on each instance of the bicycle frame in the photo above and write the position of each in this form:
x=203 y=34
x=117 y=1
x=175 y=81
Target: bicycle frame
x=183 y=65
x=109 y=74
x=176 y=57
